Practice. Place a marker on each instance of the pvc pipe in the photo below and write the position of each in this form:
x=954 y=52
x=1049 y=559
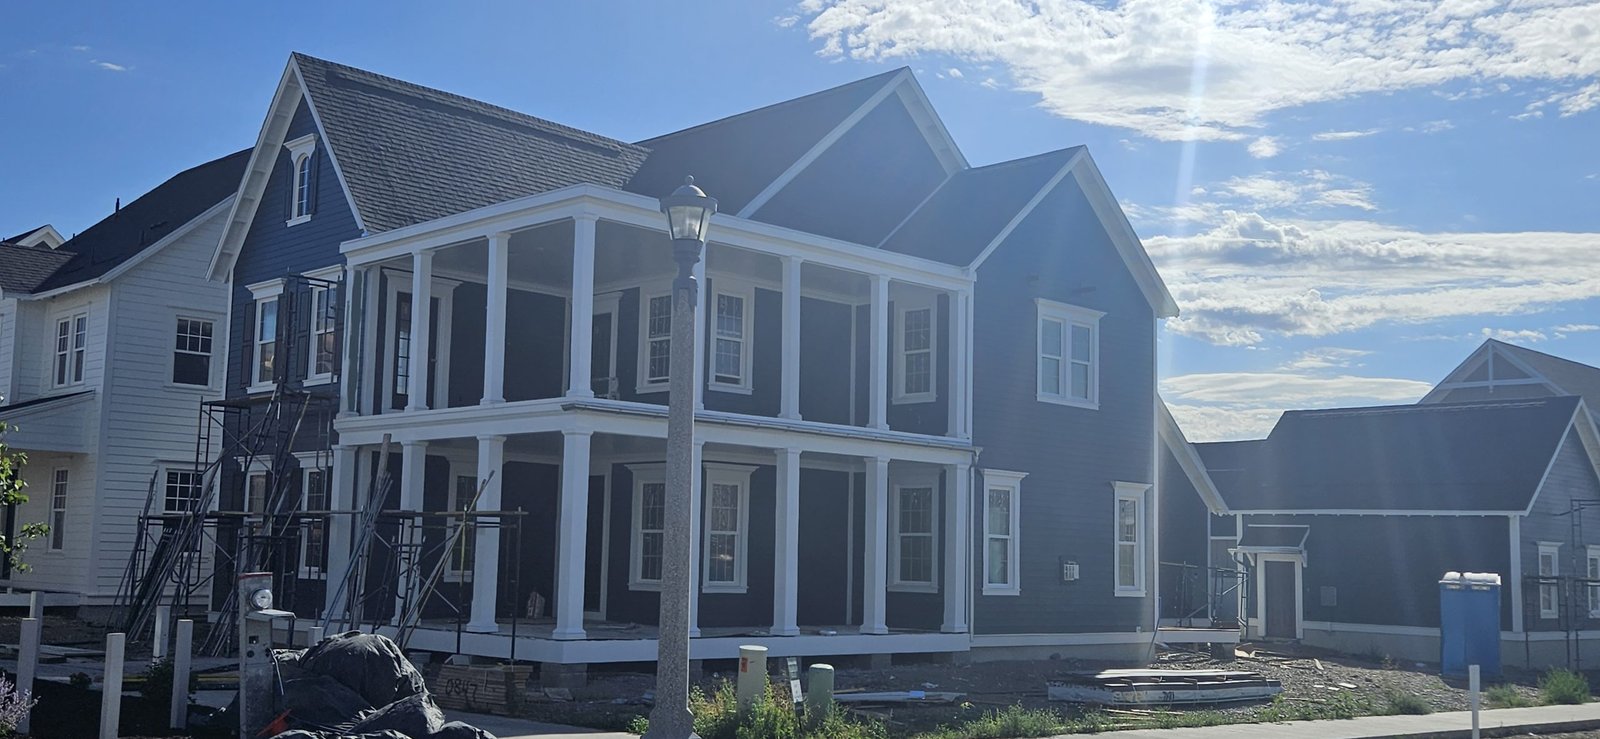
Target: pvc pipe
x=36 y=605
x=158 y=647
x=1472 y=688
x=315 y=636
x=752 y=682
x=819 y=692
x=179 y=717
x=111 y=690
x=27 y=668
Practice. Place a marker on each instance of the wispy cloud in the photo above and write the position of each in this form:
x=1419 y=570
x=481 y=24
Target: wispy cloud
x=1244 y=405
x=1326 y=358
x=1202 y=70
x=1523 y=335
x=1265 y=147
x=80 y=48
x=1343 y=135
x=109 y=66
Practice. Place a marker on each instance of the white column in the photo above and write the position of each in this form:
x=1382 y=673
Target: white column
x=413 y=463
x=341 y=498
x=349 y=365
x=700 y=336
x=696 y=515
x=486 y=546
x=421 y=336
x=875 y=585
x=786 y=546
x=580 y=378
x=572 y=532
x=372 y=400
x=790 y=405
x=957 y=545
x=494 y=320
x=878 y=343
x=955 y=392
x=967 y=303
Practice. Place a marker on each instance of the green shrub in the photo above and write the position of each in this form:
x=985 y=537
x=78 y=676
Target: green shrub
x=1506 y=696
x=1006 y=723
x=1409 y=704
x=157 y=685
x=716 y=716
x=1563 y=686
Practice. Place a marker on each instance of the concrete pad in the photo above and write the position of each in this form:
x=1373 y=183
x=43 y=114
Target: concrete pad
x=1499 y=722
x=506 y=727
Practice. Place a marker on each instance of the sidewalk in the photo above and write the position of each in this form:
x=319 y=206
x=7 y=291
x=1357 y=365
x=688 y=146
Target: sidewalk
x=506 y=727
x=1498 y=722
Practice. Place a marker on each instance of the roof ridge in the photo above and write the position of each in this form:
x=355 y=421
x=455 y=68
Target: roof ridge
x=461 y=100
x=781 y=103
x=1460 y=405
x=1031 y=158
x=1546 y=355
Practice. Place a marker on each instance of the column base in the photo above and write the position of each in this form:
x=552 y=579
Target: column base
x=491 y=401
x=580 y=394
x=875 y=630
x=414 y=408
x=956 y=629
x=482 y=628
x=791 y=416
x=784 y=631
x=568 y=634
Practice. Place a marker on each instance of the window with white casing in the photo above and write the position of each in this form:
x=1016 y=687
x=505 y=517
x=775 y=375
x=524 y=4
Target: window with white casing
x=655 y=342
x=181 y=490
x=71 y=344
x=1129 y=538
x=58 y=508
x=1592 y=588
x=313 y=528
x=915 y=338
x=323 y=347
x=648 y=527
x=914 y=539
x=727 y=526
x=256 y=491
x=262 y=338
x=1002 y=519
x=191 y=352
x=302 y=160
x=1549 y=567
x=730 y=335
x=462 y=493
x=1069 y=354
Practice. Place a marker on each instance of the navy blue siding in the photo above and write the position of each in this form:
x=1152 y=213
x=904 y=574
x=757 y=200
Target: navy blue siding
x=825 y=560
x=825 y=361
x=1571 y=478
x=1184 y=541
x=1072 y=455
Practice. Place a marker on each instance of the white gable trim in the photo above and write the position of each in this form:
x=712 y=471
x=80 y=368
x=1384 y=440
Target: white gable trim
x=1480 y=355
x=291 y=90
x=1189 y=460
x=1587 y=435
x=1016 y=220
x=136 y=259
x=46 y=234
x=932 y=126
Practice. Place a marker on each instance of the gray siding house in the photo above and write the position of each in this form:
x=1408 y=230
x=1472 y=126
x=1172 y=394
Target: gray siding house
x=927 y=415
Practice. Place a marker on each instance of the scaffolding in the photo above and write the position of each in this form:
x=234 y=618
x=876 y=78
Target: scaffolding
x=1203 y=592
x=1573 y=597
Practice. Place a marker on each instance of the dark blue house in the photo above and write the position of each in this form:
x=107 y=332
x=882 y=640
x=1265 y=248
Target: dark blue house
x=927 y=415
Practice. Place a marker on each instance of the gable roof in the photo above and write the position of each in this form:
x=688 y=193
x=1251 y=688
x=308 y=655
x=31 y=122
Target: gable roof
x=45 y=235
x=1569 y=377
x=1188 y=459
x=974 y=206
x=1477 y=456
x=24 y=268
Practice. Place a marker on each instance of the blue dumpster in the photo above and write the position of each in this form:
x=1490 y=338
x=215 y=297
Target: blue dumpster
x=1469 y=624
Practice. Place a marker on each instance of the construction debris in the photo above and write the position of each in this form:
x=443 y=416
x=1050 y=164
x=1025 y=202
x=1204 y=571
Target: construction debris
x=1162 y=687
x=898 y=696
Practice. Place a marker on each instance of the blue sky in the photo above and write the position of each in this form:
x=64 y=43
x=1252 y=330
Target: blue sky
x=1346 y=197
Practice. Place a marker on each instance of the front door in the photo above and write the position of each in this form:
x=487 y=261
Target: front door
x=1281 y=612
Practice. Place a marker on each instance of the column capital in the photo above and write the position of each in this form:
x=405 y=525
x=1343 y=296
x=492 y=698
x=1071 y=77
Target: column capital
x=577 y=432
x=500 y=236
x=788 y=451
x=413 y=444
x=586 y=215
x=793 y=259
x=492 y=438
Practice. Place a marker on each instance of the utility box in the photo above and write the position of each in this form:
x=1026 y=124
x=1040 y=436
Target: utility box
x=1469 y=623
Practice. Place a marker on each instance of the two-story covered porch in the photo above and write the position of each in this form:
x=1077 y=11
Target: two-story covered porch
x=525 y=344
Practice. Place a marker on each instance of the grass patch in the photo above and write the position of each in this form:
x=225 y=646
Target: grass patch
x=1406 y=704
x=1563 y=687
x=1336 y=705
x=716 y=716
x=1005 y=723
x=1506 y=696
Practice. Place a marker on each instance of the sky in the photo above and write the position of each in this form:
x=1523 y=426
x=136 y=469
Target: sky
x=1345 y=197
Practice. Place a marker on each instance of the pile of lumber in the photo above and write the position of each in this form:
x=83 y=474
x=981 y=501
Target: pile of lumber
x=1162 y=687
x=481 y=688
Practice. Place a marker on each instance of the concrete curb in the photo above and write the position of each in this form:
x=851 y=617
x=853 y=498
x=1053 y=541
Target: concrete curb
x=1451 y=725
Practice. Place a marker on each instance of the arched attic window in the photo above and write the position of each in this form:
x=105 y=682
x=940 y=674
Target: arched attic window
x=302 y=180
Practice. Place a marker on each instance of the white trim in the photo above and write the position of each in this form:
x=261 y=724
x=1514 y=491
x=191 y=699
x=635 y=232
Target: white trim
x=1032 y=203
x=307 y=571
x=301 y=155
x=69 y=362
x=1298 y=561
x=1515 y=539
x=46 y=235
x=453 y=502
x=643 y=384
x=1553 y=549
x=137 y=259
x=1369 y=512
x=1591 y=572
x=312 y=376
x=1189 y=460
x=1390 y=629
x=914 y=481
x=902 y=306
x=1139 y=494
x=60 y=477
x=719 y=473
x=1011 y=482
x=1064 y=640
x=746 y=293
x=655 y=474
x=1115 y=221
x=1068 y=317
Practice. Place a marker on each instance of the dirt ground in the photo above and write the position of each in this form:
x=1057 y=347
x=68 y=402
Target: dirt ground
x=1308 y=676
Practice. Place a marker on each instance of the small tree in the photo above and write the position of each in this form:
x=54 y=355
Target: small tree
x=12 y=493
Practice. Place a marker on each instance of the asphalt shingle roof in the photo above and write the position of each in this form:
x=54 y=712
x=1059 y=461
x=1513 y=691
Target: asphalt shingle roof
x=955 y=223
x=146 y=220
x=1480 y=456
x=410 y=153
x=24 y=268
x=1574 y=378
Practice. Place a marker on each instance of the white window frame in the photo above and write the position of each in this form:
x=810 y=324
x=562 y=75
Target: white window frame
x=307 y=467
x=898 y=583
x=902 y=307
x=329 y=274
x=1592 y=590
x=642 y=475
x=60 y=485
x=454 y=503
x=301 y=151
x=1068 y=316
x=1554 y=591
x=257 y=469
x=196 y=483
x=262 y=293
x=643 y=383
x=69 y=351
x=177 y=349
x=747 y=295
x=1139 y=494
x=726 y=474
x=1011 y=482
x=442 y=292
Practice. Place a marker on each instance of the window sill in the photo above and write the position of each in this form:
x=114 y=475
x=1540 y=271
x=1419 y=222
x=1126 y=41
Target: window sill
x=262 y=388
x=317 y=380
x=1072 y=402
x=1121 y=593
x=913 y=587
x=647 y=388
x=724 y=589
x=312 y=575
x=457 y=577
x=988 y=590
x=649 y=587
x=915 y=398
x=194 y=388
x=297 y=220
x=732 y=389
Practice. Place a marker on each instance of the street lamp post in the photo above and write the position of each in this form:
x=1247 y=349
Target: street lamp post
x=688 y=212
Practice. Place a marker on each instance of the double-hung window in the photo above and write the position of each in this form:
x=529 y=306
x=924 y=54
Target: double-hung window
x=72 y=339
x=262 y=337
x=256 y=492
x=914 y=540
x=302 y=158
x=1069 y=354
x=58 y=508
x=914 y=367
x=323 y=348
x=1130 y=538
x=727 y=525
x=313 y=528
x=182 y=490
x=649 y=527
x=731 y=336
x=1001 y=520
x=1549 y=571
x=655 y=351
x=191 y=352
x=462 y=493
x=1592 y=588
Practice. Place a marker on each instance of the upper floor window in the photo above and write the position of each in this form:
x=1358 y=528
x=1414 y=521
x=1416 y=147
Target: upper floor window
x=58 y=508
x=72 y=339
x=914 y=371
x=1069 y=354
x=324 y=348
x=191 y=352
x=1002 y=518
x=656 y=352
x=257 y=488
x=914 y=538
x=262 y=338
x=302 y=158
x=731 y=352
x=1130 y=538
x=182 y=490
x=727 y=528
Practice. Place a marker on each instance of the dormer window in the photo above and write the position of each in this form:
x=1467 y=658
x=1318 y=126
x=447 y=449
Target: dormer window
x=302 y=173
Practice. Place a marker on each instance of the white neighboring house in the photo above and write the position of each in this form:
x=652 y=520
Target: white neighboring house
x=108 y=343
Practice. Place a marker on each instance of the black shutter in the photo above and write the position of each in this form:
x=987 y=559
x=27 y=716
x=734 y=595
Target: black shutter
x=311 y=183
x=247 y=366
x=288 y=187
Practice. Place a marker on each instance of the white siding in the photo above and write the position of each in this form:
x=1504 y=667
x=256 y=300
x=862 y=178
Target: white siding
x=30 y=346
x=8 y=338
x=65 y=570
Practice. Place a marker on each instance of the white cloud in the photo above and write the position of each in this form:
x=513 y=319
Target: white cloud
x=1523 y=335
x=1432 y=127
x=109 y=66
x=1296 y=192
x=1342 y=135
x=1244 y=405
x=1205 y=70
x=1264 y=147
x=1325 y=358
x=80 y=47
x=953 y=72
x=1575 y=328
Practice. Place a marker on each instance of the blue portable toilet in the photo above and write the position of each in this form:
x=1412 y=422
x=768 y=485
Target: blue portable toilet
x=1469 y=624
